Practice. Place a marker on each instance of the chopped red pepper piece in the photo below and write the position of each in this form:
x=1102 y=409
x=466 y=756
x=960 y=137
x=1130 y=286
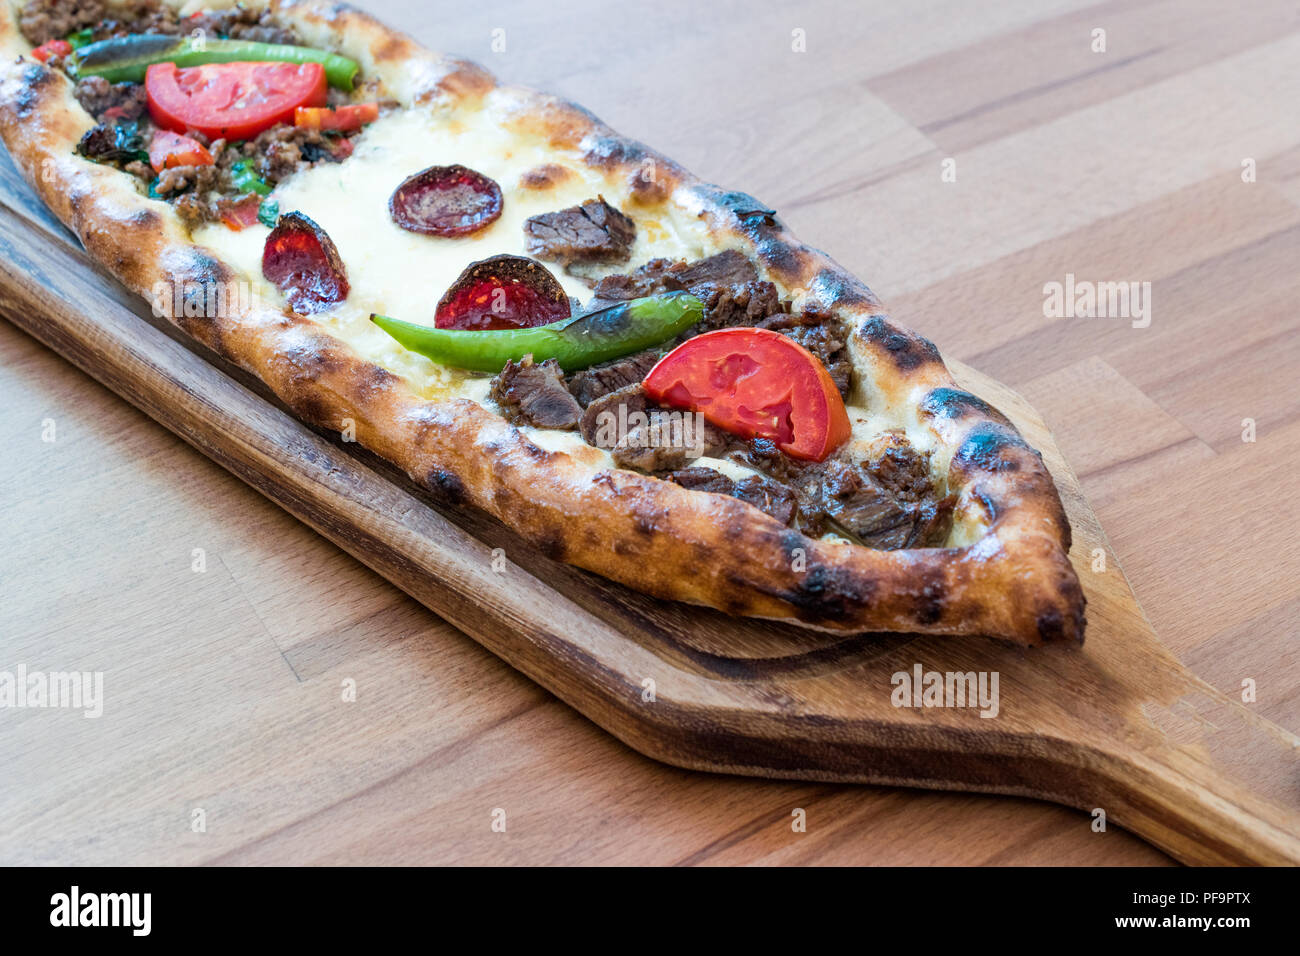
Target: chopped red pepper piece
x=168 y=149
x=51 y=48
x=344 y=119
x=242 y=213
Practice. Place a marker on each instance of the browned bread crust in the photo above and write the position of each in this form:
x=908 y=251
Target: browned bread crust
x=1014 y=582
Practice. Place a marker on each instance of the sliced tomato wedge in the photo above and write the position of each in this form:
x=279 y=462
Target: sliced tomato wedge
x=231 y=100
x=241 y=213
x=172 y=149
x=343 y=118
x=755 y=383
x=51 y=48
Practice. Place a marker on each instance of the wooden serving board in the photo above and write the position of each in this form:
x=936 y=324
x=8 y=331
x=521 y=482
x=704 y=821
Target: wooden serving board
x=1117 y=726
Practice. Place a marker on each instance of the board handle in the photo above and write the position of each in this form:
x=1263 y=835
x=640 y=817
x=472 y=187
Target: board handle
x=1233 y=803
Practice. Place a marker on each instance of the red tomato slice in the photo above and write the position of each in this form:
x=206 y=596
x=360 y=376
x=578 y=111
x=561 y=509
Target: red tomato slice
x=231 y=100
x=344 y=118
x=51 y=48
x=755 y=383
x=171 y=149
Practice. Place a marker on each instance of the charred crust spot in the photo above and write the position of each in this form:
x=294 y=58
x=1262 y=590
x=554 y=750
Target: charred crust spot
x=746 y=208
x=535 y=452
x=611 y=152
x=647 y=184
x=1051 y=625
x=733 y=602
x=1063 y=520
x=145 y=219
x=312 y=359
x=835 y=288
x=445 y=486
x=780 y=256
x=828 y=593
x=551 y=543
x=930 y=597
x=954 y=403
x=36 y=76
x=467 y=79
x=311 y=409
x=907 y=352
x=986 y=447
x=393 y=48
x=792 y=541
x=756 y=219
x=545 y=176
x=34 y=79
x=375 y=378
x=205 y=268
x=643 y=524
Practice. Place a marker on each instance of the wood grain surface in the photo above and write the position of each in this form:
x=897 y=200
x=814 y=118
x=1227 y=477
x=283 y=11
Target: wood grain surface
x=1123 y=165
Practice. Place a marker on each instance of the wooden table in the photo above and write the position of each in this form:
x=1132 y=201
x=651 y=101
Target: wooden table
x=225 y=686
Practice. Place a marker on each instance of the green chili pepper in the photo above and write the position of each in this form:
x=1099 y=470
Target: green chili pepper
x=80 y=38
x=122 y=59
x=244 y=177
x=268 y=213
x=575 y=342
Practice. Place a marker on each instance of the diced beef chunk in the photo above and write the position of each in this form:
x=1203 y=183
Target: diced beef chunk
x=591 y=232
x=282 y=150
x=649 y=279
x=111 y=143
x=653 y=446
x=766 y=495
x=534 y=394
x=702 y=479
x=748 y=304
x=240 y=23
x=659 y=439
x=886 y=503
x=127 y=101
x=902 y=470
x=590 y=384
x=729 y=268
x=138 y=16
x=850 y=498
x=140 y=169
x=600 y=420
x=178 y=179
x=702 y=277
x=643 y=437
x=42 y=20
